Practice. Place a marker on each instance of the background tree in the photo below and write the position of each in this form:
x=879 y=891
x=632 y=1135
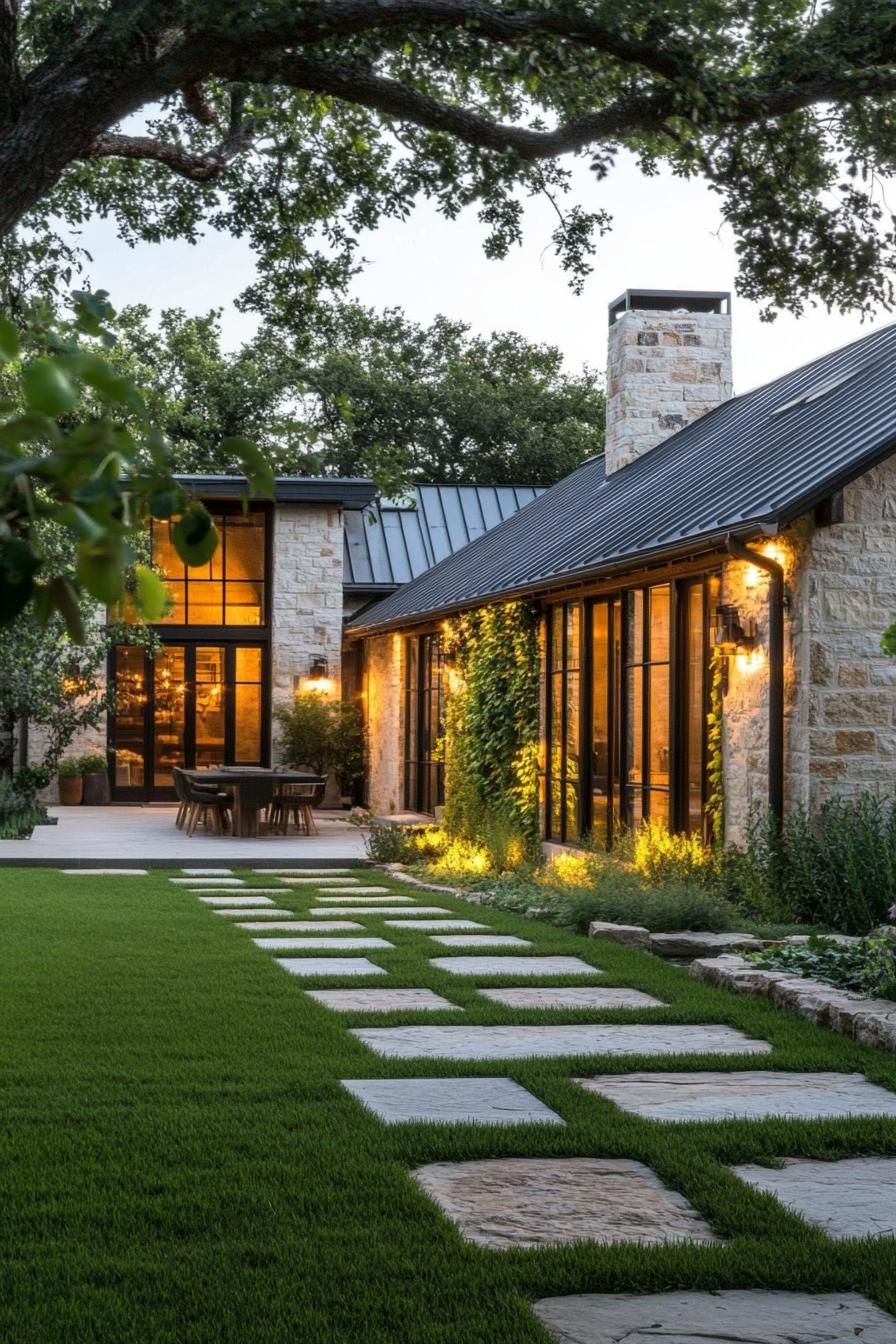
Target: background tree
x=371 y=394
x=300 y=125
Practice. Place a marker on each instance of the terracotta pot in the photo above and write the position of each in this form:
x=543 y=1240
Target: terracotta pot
x=96 y=788
x=71 y=788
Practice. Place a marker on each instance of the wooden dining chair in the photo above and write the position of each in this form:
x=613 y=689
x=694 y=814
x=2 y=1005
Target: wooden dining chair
x=296 y=802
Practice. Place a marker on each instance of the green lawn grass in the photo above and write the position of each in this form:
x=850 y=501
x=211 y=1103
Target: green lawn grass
x=180 y=1163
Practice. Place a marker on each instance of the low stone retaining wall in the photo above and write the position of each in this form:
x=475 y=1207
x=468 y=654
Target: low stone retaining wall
x=871 y=1021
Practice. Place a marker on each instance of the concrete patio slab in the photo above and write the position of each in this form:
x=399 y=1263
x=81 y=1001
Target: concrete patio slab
x=147 y=834
x=300 y=925
x=744 y=1095
x=855 y=1197
x=514 y=965
x=523 y=1203
x=518 y=1042
x=330 y=966
x=382 y=1000
x=451 y=1101
x=572 y=996
x=748 y=1316
x=334 y=944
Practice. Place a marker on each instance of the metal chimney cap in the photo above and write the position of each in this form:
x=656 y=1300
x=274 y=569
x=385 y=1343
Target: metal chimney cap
x=670 y=301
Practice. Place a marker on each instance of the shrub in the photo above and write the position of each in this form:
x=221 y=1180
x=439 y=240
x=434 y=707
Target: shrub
x=663 y=855
x=68 y=767
x=866 y=967
x=93 y=765
x=837 y=869
x=345 y=744
x=18 y=814
x=30 y=780
x=322 y=735
x=404 y=844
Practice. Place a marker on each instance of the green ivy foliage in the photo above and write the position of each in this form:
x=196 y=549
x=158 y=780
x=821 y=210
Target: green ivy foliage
x=492 y=726
x=715 y=764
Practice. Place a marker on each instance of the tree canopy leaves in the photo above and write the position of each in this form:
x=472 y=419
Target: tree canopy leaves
x=299 y=126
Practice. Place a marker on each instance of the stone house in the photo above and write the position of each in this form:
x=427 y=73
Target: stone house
x=264 y=619
x=727 y=553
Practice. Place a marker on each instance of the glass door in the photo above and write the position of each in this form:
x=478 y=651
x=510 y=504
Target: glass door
x=194 y=705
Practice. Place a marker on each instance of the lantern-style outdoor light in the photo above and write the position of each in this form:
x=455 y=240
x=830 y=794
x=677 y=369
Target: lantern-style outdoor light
x=732 y=637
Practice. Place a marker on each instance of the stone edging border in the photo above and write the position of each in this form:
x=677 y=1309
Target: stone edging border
x=870 y=1021
x=396 y=870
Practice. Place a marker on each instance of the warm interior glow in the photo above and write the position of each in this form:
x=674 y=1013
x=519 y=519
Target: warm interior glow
x=750 y=660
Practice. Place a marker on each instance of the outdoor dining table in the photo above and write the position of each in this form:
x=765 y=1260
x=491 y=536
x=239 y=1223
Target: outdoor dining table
x=253 y=788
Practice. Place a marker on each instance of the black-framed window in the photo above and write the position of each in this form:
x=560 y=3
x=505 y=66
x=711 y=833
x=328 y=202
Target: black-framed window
x=424 y=727
x=625 y=697
x=228 y=591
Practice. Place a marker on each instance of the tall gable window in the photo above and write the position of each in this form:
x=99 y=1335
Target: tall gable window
x=424 y=723
x=230 y=589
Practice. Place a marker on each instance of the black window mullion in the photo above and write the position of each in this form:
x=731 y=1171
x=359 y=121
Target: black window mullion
x=229 y=692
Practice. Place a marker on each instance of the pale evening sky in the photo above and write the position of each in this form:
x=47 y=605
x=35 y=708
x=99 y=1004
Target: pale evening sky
x=665 y=235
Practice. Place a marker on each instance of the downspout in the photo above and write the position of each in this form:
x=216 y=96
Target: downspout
x=775 y=672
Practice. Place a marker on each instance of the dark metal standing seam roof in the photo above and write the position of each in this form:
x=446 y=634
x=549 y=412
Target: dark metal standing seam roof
x=753 y=464
x=348 y=492
x=389 y=544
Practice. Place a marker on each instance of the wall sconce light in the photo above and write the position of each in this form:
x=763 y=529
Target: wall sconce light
x=319 y=669
x=732 y=637
x=317 y=678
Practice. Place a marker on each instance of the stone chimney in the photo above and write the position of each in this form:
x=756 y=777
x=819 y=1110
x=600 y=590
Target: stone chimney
x=668 y=363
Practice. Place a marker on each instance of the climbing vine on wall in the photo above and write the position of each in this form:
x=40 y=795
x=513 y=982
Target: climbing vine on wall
x=491 y=725
x=715 y=803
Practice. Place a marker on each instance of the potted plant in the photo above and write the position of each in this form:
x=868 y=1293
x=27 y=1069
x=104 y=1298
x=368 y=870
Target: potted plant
x=71 y=783
x=95 y=773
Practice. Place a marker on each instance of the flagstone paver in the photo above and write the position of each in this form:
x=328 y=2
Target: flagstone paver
x=428 y=925
x=749 y=1094
x=207 y=872
x=456 y=1101
x=512 y=965
x=479 y=940
x=205 y=882
x=301 y=872
x=515 y=1042
x=358 y=891
x=235 y=900
x=382 y=1000
x=241 y=912
x=393 y=898
x=302 y=926
x=855 y=1197
x=515 y=1203
x=572 y=996
x=320 y=881
x=105 y=872
x=335 y=966
x=298 y=944
x=328 y=911
x=239 y=891
x=749 y=1316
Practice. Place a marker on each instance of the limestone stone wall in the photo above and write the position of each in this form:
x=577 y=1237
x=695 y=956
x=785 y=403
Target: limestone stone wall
x=663 y=371
x=384 y=692
x=840 y=689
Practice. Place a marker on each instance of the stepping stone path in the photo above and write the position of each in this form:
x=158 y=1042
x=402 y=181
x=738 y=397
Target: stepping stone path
x=317 y=966
x=382 y=1000
x=301 y=925
x=207 y=872
x=480 y=940
x=455 y=1101
x=513 y=965
x=573 y=996
x=533 y=1202
x=303 y=872
x=855 y=1197
x=544 y=1042
x=298 y=944
x=748 y=1095
x=519 y=1203
x=751 y=1316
